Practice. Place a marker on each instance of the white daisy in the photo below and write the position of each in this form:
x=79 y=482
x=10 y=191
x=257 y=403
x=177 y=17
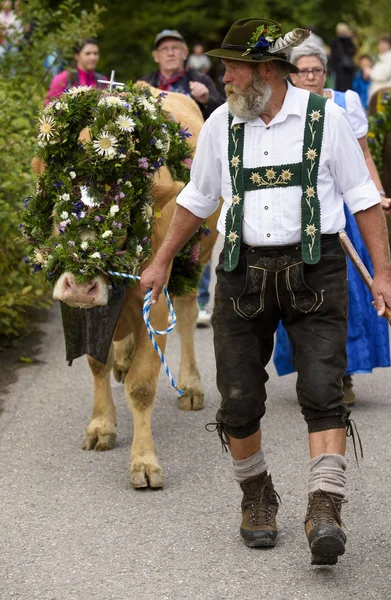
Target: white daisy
x=147 y=212
x=107 y=234
x=128 y=184
x=125 y=123
x=84 y=245
x=159 y=145
x=72 y=174
x=111 y=101
x=81 y=89
x=64 y=215
x=114 y=209
x=139 y=250
x=147 y=105
x=46 y=128
x=105 y=145
x=65 y=197
x=39 y=257
x=95 y=255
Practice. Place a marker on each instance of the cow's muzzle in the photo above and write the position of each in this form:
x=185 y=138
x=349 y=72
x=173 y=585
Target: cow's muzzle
x=81 y=295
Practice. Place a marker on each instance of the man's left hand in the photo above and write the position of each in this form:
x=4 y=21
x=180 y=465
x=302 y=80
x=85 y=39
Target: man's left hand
x=381 y=291
x=386 y=205
x=199 y=92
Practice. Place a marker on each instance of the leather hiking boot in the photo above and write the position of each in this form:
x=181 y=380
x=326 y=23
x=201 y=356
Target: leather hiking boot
x=323 y=527
x=259 y=510
x=349 y=397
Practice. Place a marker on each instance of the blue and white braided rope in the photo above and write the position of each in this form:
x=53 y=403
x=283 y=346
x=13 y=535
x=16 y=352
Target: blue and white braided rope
x=151 y=330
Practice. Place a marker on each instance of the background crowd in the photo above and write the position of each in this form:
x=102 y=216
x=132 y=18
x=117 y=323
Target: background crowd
x=42 y=51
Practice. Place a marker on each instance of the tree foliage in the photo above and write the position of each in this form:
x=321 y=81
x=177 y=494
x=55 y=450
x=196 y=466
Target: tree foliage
x=23 y=84
x=130 y=27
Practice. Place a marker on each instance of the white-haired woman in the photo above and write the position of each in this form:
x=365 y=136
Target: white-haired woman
x=368 y=343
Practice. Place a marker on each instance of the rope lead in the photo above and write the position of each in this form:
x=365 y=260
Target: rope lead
x=151 y=330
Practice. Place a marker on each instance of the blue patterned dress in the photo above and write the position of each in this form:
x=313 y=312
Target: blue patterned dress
x=368 y=343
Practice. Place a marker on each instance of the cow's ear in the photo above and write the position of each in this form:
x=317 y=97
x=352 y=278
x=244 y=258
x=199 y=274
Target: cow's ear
x=84 y=135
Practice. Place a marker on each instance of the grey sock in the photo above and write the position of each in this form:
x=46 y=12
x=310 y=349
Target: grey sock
x=249 y=467
x=327 y=472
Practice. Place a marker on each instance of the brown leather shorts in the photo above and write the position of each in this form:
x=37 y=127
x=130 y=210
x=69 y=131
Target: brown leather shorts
x=268 y=285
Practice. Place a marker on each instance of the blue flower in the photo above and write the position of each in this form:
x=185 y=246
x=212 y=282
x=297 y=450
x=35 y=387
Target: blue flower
x=37 y=267
x=26 y=260
x=262 y=43
x=184 y=133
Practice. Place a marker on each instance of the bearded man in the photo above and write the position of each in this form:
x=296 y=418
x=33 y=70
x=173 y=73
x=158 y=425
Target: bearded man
x=284 y=160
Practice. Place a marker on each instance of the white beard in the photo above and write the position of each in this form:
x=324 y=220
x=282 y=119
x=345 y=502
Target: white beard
x=249 y=103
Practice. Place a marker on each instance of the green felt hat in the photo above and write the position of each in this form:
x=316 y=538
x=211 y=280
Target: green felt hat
x=259 y=40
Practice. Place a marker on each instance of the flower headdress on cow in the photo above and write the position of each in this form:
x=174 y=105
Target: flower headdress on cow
x=95 y=191
x=259 y=40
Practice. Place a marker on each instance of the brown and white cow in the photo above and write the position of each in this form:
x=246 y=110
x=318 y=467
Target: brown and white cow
x=132 y=356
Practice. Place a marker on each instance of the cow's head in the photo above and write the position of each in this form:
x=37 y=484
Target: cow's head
x=92 y=211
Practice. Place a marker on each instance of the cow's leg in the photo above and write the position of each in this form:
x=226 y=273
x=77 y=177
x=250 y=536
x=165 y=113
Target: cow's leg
x=141 y=386
x=100 y=434
x=186 y=309
x=123 y=351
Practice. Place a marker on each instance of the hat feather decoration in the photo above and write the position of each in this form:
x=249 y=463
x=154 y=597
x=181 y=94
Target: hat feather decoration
x=292 y=38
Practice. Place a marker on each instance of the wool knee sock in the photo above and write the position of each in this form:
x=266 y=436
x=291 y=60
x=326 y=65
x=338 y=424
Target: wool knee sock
x=327 y=472
x=249 y=467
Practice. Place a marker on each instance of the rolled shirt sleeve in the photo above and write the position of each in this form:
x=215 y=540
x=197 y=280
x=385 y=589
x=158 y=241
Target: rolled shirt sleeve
x=201 y=195
x=349 y=169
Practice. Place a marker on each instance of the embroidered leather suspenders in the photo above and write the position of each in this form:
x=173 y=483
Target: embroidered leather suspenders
x=304 y=174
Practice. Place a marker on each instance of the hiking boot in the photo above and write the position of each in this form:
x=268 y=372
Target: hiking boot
x=259 y=510
x=349 y=397
x=323 y=527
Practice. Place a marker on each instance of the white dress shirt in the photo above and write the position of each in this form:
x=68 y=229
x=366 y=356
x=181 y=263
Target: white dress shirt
x=272 y=216
x=356 y=114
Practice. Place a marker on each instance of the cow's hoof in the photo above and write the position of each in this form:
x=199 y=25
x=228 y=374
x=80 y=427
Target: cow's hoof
x=191 y=400
x=99 y=442
x=144 y=475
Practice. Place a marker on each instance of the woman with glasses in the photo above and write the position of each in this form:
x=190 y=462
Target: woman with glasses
x=367 y=343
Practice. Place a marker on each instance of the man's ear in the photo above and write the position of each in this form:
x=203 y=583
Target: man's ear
x=155 y=55
x=185 y=52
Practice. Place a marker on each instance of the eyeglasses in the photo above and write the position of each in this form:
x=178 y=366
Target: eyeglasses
x=315 y=72
x=168 y=49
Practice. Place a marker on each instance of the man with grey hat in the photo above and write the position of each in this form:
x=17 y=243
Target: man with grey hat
x=284 y=160
x=170 y=53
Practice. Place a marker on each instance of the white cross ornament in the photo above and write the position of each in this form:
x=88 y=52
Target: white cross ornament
x=111 y=82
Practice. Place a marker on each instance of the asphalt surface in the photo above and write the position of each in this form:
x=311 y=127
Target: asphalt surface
x=72 y=528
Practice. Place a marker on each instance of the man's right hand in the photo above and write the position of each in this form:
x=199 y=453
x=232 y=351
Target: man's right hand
x=154 y=278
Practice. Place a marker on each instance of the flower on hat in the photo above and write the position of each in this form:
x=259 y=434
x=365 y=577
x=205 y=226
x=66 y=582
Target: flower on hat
x=262 y=37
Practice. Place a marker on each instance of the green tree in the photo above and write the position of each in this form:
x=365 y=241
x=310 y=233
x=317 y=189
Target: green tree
x=23 y=84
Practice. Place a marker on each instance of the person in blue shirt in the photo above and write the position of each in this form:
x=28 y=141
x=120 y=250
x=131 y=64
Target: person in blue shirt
x=362 y=79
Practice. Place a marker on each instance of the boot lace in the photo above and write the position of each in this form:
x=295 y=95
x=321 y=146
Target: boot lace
x=325 y=508
x=262 y=502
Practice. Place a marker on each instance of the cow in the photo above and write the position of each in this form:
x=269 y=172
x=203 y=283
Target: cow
x=132 y=356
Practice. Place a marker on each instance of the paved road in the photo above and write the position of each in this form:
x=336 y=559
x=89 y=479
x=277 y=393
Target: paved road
x=71 y=527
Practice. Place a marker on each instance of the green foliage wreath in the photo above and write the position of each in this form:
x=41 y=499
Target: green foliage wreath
x=92 y=209
x=379 y=128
